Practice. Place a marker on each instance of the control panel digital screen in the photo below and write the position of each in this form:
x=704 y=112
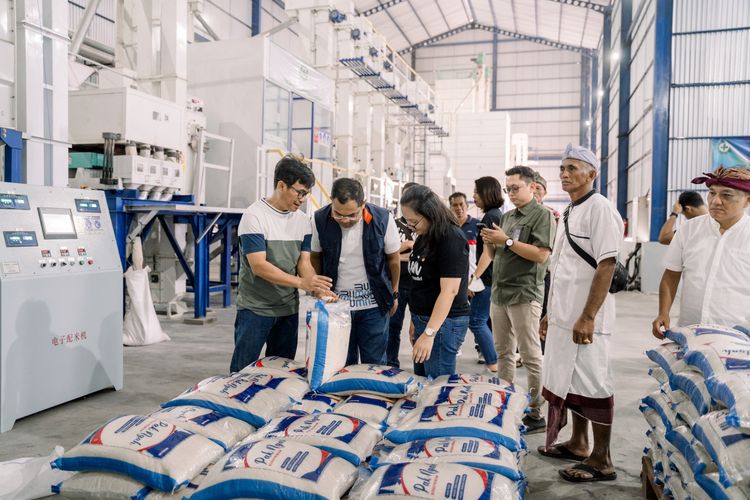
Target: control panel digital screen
x=88 y=206
x=9 y=201
x=57 y=224
x=20 y=239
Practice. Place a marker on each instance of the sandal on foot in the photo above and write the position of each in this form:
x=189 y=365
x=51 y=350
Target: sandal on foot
x=596 y=474
x=563 y=453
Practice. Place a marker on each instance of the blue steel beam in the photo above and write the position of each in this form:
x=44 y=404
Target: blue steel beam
x=255 y=17
x=13 y=169
x=623 y=129
x=660 y=141
x=606 y=66
x=493 y=29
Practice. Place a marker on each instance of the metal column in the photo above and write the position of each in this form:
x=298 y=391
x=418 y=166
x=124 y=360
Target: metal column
x=201 y=281
x=255 y=18
x=623 y=129
x=585 y=111
x=660 y=148
x=606 y=65
x=594 y=107
x=13 y=169
x=494 y=72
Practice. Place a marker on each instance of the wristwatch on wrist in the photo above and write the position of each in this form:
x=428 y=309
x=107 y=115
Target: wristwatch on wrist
x=509 y=242
x=429 y=332
x=677 y=216
x=395 y=295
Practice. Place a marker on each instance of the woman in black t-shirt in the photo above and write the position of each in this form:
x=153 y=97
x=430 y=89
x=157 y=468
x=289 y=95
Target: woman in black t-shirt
x=439 y=267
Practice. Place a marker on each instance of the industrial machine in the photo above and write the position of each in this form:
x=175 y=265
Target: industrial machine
x=60 y=298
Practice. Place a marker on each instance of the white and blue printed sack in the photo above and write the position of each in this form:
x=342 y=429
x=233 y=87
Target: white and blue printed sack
x=514 y=402
x=288 y=383
x=719 y=358
x=99 y=485
x=479 y=421
x=474 y=378
x=733 y=391
x=693 y=336
x=372 y=409
x=476 y=453
x=437 y=481
x=148 y=450
x=279 y=364
x=380 y=380
x=236 y=395
x=346 y=437
x=728 y=446
x=669 y=357
x=216 y=426
x=277 y=469
x=327 y=344
x=314 y=403
x=694 y=386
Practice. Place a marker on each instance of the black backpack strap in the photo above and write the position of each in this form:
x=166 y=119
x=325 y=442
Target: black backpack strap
x=580 y=251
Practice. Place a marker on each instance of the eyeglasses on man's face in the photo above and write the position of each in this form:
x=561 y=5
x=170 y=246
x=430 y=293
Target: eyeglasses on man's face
x=346 y=218
x=511 y=189
x=301 y=193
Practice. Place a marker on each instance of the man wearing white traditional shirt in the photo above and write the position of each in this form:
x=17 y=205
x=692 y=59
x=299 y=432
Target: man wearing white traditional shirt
x=710 y=254
x=357 y=245
x=581 y=318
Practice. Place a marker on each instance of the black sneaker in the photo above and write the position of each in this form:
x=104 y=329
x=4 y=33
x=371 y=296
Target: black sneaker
x=534 y=425
x=480 y=358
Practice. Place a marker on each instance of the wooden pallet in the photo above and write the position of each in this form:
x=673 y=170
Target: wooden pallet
x=649 y=489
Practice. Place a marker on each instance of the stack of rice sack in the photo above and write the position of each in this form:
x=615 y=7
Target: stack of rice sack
x=169 y=453
x=700 y=416
x=459 y=437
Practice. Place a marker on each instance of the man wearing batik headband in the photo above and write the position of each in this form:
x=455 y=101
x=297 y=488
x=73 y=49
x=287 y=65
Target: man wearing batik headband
x=710 y=254
x=580 y=321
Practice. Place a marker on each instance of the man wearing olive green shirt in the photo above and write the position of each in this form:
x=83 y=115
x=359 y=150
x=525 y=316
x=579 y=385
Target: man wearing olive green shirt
x=521 y=247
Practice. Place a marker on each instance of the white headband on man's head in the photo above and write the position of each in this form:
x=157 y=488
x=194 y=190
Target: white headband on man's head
x=581 y=153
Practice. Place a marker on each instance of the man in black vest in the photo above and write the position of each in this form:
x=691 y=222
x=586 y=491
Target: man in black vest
x=357 y=245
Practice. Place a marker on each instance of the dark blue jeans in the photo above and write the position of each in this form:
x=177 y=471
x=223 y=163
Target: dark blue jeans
x=395 y=326
x=447 y=341
x=368 y=337
x=478 y=324
x=251 y=332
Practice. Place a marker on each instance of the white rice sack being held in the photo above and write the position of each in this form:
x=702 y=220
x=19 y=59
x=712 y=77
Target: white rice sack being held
x=477 y=453
x=474 y=421
x=216 y=426
x=236 y=395
x=694 y=386
x=346 y=437
x=148 y=450
x=719 y=358
x=474 y=378
x=380 y=380
x=693 y=336
x=733 y=391
x=669 y=357
x=514 y=402
x=284 y=365
x=315 y=403
x=327 y=343
x=729 y=447
x=372 y=409
x=277 y=469
x=287 y=383
x=437 y=481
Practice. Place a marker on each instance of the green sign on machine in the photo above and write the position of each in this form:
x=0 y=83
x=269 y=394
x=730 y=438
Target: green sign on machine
x=85 y=160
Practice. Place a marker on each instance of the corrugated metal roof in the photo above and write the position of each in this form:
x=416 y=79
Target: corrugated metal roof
x=406 y=23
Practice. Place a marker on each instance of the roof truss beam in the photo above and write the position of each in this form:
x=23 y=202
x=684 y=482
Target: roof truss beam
x=492 y=29
x=380 y=7
x=601 y=9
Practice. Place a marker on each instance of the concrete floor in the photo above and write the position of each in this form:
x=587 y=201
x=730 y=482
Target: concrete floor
x=156 y=373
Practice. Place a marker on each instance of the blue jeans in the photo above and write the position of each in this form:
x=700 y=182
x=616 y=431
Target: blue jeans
x=478 y=324
x=395 y=326
x=447 y=341
x=251 y=332
x=368 y=337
